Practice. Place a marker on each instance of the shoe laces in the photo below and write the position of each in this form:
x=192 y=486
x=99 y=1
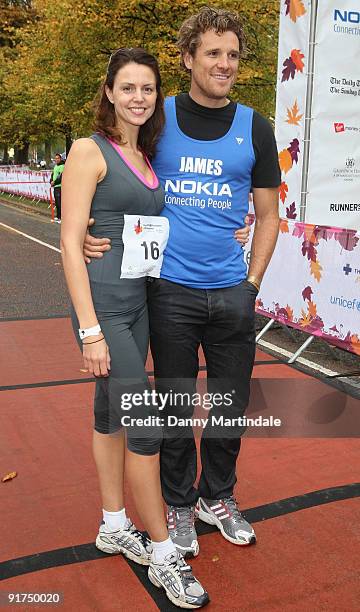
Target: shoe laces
x=184 y=518
x=139 y=535
x=231 y=503
x=183 y=570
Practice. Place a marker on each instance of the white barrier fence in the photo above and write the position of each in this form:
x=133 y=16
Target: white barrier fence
x=21 y=181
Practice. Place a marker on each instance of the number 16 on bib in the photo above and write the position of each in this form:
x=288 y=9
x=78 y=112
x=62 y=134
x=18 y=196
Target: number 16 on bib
x=145 y=239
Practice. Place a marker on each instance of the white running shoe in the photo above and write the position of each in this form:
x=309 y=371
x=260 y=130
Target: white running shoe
x=128 y=541
x=175 y=576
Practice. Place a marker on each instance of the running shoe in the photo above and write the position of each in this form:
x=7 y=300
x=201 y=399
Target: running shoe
x=128 y=541
x=182 y=531
x=225 y=514
x=176 y=577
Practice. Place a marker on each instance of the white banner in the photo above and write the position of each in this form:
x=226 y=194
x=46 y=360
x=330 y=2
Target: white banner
x=316 y=286
x=290 y=101
x=334 y=165
x=24 y=182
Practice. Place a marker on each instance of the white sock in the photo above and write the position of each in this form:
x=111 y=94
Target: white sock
x=162 y=549
x=114 y=520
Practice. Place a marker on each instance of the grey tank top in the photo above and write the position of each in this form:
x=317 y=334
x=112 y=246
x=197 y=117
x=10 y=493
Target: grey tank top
x=120 y=192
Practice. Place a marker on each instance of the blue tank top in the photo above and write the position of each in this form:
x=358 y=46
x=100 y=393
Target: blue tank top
x=207 y=186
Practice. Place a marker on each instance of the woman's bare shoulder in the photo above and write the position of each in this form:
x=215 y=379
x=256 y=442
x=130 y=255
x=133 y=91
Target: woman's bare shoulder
x=85 y=153
x=84 y=146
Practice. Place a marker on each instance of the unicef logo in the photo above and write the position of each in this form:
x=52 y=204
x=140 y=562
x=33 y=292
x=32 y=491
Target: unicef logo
x=343 y=302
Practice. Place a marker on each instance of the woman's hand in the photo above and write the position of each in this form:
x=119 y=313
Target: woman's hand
x=96 y=356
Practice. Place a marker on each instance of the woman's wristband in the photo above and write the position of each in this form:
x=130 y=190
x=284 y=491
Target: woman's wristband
x=89 y=331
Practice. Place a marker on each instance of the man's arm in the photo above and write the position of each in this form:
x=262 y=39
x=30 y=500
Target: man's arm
x=94 y=247
x=265 y=232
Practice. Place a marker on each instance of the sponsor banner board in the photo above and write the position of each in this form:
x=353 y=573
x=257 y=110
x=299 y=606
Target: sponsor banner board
x=333 y=197
x=313 y=280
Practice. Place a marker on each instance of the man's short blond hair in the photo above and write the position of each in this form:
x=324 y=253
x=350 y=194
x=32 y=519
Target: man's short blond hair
x=208 y=18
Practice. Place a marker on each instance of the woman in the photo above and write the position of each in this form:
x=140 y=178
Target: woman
x=110 y=177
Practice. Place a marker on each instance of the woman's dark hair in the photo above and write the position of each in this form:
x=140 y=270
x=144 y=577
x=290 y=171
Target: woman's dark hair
x=105 y=119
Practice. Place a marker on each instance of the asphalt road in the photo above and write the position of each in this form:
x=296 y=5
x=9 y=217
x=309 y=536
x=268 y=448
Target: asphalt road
x=31 y=278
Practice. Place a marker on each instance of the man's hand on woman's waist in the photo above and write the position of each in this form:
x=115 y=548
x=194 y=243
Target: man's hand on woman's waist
x=94 y=247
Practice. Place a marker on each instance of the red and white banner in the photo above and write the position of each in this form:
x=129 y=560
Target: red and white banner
x=24 y=182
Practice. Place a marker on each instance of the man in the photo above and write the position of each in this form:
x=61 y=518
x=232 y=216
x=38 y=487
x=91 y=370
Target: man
x=212 y=153
x=55 y=182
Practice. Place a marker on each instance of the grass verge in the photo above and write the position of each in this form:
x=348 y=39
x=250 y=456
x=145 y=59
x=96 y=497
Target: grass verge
x=33 y=205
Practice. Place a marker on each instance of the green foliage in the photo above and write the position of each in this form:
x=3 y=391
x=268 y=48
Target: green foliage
x=59 y=52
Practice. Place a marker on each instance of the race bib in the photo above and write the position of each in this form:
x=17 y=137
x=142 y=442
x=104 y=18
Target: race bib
x=145 y=239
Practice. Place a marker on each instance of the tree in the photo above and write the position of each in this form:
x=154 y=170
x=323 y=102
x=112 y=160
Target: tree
x=15 y=15
x=59 y=58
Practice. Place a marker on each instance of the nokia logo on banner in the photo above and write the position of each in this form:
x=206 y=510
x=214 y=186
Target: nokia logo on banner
x=347 y=16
